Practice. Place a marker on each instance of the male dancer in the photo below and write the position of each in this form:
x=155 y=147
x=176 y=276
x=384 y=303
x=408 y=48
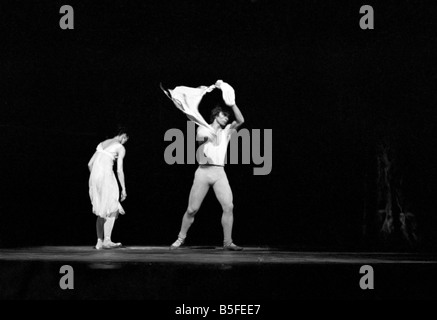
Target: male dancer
x=210 y=172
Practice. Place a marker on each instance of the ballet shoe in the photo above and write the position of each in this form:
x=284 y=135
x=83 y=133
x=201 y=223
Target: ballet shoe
x=111 y=245
x=177 y=244
x=232 y=247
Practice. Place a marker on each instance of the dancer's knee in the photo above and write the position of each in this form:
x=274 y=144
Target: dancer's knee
x=228 y=208
x=191 y=211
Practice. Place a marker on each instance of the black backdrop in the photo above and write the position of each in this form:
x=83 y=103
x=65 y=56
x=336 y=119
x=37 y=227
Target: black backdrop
x=304 y=69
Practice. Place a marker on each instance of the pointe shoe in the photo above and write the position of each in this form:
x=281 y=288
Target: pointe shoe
x=177 y=244
x=232 y=247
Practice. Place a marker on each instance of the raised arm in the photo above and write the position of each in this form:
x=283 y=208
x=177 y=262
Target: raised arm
x=229 y=98
x=239 y=119
x=120 y=173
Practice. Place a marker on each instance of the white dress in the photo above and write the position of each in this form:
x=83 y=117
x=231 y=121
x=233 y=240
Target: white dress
x=103 y=187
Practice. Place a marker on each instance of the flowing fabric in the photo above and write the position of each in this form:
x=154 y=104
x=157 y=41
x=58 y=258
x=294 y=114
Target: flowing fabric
x=187 y=99
x=228 y=93
x=103 y=186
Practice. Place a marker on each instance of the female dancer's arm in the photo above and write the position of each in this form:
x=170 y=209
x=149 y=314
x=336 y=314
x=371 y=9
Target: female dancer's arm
x=120 y=173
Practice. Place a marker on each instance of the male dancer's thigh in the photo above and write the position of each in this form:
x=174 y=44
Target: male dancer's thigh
x=199 y=190
x=223 y=191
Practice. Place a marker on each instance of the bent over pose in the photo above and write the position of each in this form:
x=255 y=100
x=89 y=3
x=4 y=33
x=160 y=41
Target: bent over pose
x=103 y=187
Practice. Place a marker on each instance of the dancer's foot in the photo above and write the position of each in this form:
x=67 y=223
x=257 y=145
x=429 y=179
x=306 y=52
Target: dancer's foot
x=99 y=245
x=232 y=247
x=177 y=244
x=108 y=244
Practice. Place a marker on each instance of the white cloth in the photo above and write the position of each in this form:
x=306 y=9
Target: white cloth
x=228 y=93
x=187 y=99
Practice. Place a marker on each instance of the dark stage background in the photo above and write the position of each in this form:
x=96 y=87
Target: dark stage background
x=328 y=90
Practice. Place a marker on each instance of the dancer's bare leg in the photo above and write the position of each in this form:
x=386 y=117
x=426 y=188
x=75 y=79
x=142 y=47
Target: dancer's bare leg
x=223 y=193
x=99 y=230
x=108 y=226
x=197 y=194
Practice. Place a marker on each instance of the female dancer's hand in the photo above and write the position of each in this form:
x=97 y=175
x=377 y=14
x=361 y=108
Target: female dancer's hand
x=123 y=195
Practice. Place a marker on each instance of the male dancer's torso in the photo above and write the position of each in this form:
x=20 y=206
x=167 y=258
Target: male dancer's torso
x=215 y=147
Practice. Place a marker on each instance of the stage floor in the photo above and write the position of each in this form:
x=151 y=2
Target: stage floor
x=209 y=273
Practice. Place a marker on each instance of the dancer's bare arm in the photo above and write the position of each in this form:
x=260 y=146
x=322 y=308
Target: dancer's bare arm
x=121 y=151
x=239 y=119
x=229 y=98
